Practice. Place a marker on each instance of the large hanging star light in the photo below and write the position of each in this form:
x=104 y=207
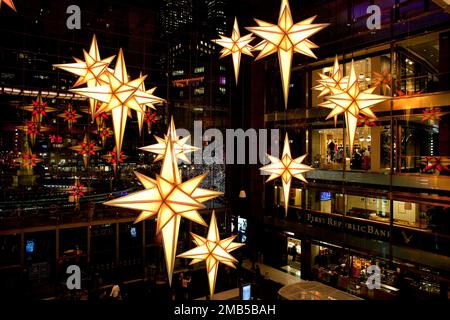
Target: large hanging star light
x=86 y=148
x=156 y=100
x=93 y=71
x=351 y=102
x=179 y=145
x=9 y=3
x=236 y=45
x=286 y=38
x=212 y=250
x=336 y=80
x=119 y=96
x=169 y=199
x=286 y=168
x=70 y=116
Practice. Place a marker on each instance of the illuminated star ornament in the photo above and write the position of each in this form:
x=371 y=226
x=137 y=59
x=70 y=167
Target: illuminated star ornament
x=383 y=79
x=9 y=3
x=286 y=38
x=70 y=116
x=431 y=115
x=115 y=158
x=32 y=130
x=149 y=118
x=286 y=168
x=142 y=115
x=86 y=148
x=168 y=199
x=93 y=71
x=212 y=250
x=236 y=45
x=38 y=109
x=119 y=96
x=351 y=102
x=336 y=80
x=179 y=145
x=104 y=133
x=436 y=164
x=77 y=191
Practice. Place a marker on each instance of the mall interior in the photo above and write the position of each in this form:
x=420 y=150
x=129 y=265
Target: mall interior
x=383 y=201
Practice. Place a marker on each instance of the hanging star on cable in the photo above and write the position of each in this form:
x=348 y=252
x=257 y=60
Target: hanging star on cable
x=77 y=192
x=28 y=159
x=431 y=115
x=93 y=71
x=352 y=101
x=32 y=130
x=86 y=148
x=179 y=145
x=149 y=118
x=383 y=79
x=212 y=250
x=115 y=158
x=286 y=38
x=9 y=3
x=336 y=80
x=104 y=133
x=286 y=168
x=38 y=109
x=236 y=45
x=70 y=116
x=169 y=199
x=119 y=96
x=156 y=100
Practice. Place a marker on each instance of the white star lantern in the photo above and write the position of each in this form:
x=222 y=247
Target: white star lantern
x=169 y=199
x=286 y=38
x=179 y=145
x=351 y=101
x=286 y=168
x=236 y=45
x=212 y=250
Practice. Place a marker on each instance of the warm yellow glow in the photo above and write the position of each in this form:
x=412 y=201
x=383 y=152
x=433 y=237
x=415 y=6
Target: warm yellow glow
x=119 y=96
x=286 y=168
x=236 y=45
x=212 y=250
x=86 y=148
x=93 y=71
x=337 y=80
x=351 y=101
x=169 y=199
x=286 y=38
x=9 y=3
x=179 y=145
x=115 y=158
x=32 y=130
x=156 y=100
x=70 y=116
x=38 y=109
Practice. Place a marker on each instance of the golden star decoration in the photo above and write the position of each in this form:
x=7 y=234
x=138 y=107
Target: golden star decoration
x=212 y=250
x=86 y=148
x=336 y=80
x=70 y=116
x=31 y=129
x=156 y=100
x=104 y=133
x=383 y=79
x=169 y=199
x=179 y=145
x=286 y=168
x=115 y=158
x=286 y=38
x=38 y=109
x=28 y=159
x=93 y=71
x=9 y=3
x=119 y=96
x=236 y=45
x=351 y=102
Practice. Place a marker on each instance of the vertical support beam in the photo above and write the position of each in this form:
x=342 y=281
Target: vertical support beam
x=306 y=260
x=88 y=242
x=144 y=258
x=117 y=244
x=22 y=250
x=57 y=244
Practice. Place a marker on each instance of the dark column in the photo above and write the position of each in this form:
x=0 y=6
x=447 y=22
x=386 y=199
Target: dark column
x=444 y=64
x=306 y=260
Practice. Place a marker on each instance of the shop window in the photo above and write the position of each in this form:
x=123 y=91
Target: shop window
x=294 y=251
x=325 y=201
x=422 y=216
x=377 y=209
